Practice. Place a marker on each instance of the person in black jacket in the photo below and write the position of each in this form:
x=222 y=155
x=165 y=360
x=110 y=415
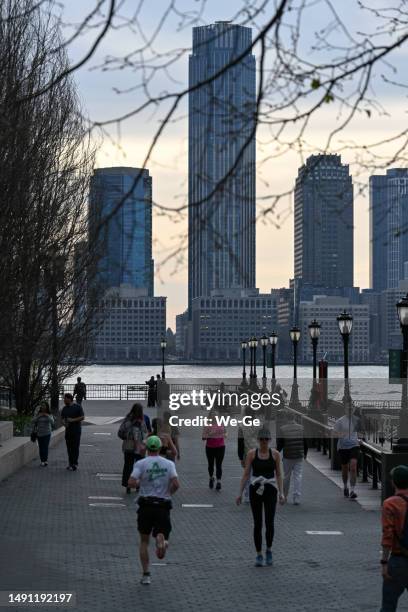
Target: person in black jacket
x=294 y=445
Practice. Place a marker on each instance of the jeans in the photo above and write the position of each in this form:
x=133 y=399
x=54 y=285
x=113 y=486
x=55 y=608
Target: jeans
x=394 y=586
x=294 y=466
x=43 y=444
x=267 y=501
x=215 y=455
x=72 y=440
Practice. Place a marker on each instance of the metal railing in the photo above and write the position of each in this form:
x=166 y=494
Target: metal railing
x=110 y=392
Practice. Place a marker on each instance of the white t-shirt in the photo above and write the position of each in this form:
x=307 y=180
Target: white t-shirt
x=343 y=426
x=155 y=473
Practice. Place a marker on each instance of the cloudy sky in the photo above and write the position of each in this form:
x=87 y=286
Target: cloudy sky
x=110 y=90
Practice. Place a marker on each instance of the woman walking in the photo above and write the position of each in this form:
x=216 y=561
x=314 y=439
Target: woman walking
x=214 y=435
x=133 y=432
x=263 y=468
x=42 y=425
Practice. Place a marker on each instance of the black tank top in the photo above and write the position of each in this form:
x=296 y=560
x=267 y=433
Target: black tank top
x=264 y=467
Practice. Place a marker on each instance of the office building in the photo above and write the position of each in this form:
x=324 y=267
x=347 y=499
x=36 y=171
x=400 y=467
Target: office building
x=120 y=227
x=378 y=232
x=222 y=320
x=221 y=193
x=326 y=310
x=130 y=326
x=323 y=250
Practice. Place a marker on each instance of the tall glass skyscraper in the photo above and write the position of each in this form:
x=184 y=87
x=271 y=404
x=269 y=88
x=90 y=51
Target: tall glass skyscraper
x=221 y=160
x=122 y=234
x=388 y=229
x=324 y=222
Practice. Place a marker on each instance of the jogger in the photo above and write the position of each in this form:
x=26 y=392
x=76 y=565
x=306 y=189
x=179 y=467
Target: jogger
x=214 y=435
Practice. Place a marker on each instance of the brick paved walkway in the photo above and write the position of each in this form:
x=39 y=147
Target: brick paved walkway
x=52 y=539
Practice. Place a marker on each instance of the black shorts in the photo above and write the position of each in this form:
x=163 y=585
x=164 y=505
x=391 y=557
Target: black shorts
x=152 y=519
x=347 y=454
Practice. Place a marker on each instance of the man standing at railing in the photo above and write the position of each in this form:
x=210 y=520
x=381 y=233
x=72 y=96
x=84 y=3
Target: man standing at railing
x=394 y=560
x=348 y=446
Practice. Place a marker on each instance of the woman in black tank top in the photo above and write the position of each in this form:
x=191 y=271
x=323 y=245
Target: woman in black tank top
x=263 y=468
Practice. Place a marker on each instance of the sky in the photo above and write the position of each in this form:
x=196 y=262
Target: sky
x=127 y=143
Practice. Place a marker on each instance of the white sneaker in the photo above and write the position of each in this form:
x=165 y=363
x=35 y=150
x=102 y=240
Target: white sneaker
x=146 y=579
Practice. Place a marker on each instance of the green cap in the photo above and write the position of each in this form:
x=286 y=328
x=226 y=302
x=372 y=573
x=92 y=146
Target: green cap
x=153 y=443
x=399 y=476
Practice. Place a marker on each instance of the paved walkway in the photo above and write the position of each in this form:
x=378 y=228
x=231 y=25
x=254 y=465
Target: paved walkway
x=54 y=538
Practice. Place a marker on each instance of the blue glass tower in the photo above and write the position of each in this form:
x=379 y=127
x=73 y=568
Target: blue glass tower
x=221 y=203
x=120 y=227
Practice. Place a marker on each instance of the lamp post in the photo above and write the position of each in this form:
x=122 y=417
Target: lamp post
x=244 y=345
x=264 y=344
x=163 y=344
x=402 y=444
x=295 y=337
x=254 y=344
x=314 y=330
x=345 y=321
x=251 y=357
x=273 y=339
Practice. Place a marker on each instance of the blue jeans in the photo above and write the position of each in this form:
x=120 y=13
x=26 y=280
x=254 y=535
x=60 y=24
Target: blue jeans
x=43 y=444
x=394 y=586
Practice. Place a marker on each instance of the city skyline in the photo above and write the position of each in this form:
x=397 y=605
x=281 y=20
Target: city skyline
x=275 y=173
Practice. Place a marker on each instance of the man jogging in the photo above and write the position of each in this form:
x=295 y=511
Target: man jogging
x=348 y=446
x=157 y=479
x=80 y=391
x=294 y=446
x=72 y=415
x=394 y=560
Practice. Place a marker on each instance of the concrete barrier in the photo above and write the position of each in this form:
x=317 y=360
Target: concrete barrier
x=6 y=431
x=17 y=452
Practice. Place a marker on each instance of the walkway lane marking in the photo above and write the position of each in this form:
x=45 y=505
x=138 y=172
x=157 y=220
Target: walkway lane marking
x=197 y=505
x=108 y=474
x=324 y=533
x=159 y=564
x=103 y=497
x=110 y=477
x=107 y=505
x=101 y=433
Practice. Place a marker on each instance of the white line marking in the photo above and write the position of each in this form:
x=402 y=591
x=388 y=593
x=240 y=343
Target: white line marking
x=103 y=497
x=107 y=505
x=110 y=478
x=87 y=444
x=108 y=474
x=101 y=433
x=197 y=505
x=324 y=532
x=159 y=564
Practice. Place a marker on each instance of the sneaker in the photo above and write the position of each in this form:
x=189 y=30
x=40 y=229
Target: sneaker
x=146 y=579
x=218 y=486
x=268 y=557
x=42 y=464
x=70 y=468
x=74 y=468
x=346 y=492
x=296 y=501
x=161 y=546
x=45 y=463
x=259 y=561
x=211 y=483
x=353 y=495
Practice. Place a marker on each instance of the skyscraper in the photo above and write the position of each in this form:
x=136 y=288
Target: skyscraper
x=378 y=232
x=388 y=229
x=324 y=222
x=120 y=227
x=221 y=160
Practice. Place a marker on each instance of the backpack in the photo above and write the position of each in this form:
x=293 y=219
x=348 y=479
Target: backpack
x=403 y=539
x=123 y=430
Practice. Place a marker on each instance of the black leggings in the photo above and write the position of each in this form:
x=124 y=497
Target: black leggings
x=268 y=500
x=217 y=455
x=129 y=460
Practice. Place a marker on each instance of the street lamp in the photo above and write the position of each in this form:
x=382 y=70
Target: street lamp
x=295 y=337
x=251 y=357
x=244 y=345
x=264 y=344
x=345 y=321
x=163 y=344
x=254 y=344
x=402 y=444
x=273 y=339
x=314 y=330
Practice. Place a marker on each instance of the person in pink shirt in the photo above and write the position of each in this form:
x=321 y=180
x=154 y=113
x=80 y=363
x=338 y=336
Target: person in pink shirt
x=214 y=435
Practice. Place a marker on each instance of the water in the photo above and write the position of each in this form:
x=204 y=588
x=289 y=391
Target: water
x=137 y=374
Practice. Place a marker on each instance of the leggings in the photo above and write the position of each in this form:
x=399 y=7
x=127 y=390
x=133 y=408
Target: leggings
x=217 y=455
x=129 y=460
x=268 y=501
